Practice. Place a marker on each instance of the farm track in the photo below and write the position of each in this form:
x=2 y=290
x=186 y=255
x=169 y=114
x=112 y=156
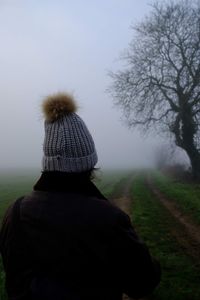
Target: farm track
x=187 y=233
x=122 y=199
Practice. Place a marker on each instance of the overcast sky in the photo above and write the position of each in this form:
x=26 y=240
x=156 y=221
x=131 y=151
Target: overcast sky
x=63 y=45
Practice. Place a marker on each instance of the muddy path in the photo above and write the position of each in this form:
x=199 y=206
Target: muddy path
x=122 y=198
x=187 y=233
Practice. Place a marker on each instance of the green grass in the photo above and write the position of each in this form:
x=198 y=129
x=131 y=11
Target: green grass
x=186 y=196
x=108 y=181
x=12 y=186
x=180 y=279
x=16 y=184
x=180 y=275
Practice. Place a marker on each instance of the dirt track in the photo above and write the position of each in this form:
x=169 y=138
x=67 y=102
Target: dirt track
x=124 y=202
x=187 y=233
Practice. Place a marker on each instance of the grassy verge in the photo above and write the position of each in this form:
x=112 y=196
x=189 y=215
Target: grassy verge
x=110 y=181
x=180 y=275
x=180 y=279
x=186 y=196
x=12 y=186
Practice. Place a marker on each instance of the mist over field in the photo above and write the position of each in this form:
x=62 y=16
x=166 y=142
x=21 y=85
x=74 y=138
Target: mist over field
x=77 y=47
x=50 y=46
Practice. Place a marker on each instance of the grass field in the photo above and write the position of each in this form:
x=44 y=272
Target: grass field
x=14 y=185
x=186 y=195
x=181 y=271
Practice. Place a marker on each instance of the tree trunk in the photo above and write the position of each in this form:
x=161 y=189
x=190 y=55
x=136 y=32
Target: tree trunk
x=188 y=132
x=195 y=163
x=184 y=129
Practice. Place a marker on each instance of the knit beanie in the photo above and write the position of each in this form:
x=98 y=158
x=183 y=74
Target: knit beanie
x=68 y=145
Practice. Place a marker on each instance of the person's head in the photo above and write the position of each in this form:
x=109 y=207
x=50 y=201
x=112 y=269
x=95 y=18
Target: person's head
x=68 y=145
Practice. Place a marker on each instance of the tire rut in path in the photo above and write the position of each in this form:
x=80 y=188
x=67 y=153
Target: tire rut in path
x=123 y=199
x=124 y=203
x=189 y=236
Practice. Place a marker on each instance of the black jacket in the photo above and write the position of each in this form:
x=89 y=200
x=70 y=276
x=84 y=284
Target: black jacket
x=71 y=243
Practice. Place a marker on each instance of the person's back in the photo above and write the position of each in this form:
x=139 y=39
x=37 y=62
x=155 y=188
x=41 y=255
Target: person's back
x=69 y=241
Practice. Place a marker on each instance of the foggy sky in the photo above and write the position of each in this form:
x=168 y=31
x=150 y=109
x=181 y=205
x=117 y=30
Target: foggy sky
x=50 y=46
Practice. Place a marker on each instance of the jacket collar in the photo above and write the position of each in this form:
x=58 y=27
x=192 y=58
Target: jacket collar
x=66 y=182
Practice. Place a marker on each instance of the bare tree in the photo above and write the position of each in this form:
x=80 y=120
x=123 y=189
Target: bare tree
x=161 y=83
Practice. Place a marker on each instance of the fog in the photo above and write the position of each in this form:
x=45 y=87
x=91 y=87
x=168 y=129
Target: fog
x=49 y=46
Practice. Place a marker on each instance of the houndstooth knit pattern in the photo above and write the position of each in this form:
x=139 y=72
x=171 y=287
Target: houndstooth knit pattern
x=68 y=146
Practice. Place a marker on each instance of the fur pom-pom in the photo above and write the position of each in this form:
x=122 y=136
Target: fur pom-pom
x=58 y=105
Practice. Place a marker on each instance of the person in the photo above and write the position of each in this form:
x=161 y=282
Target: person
x=65 y=240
